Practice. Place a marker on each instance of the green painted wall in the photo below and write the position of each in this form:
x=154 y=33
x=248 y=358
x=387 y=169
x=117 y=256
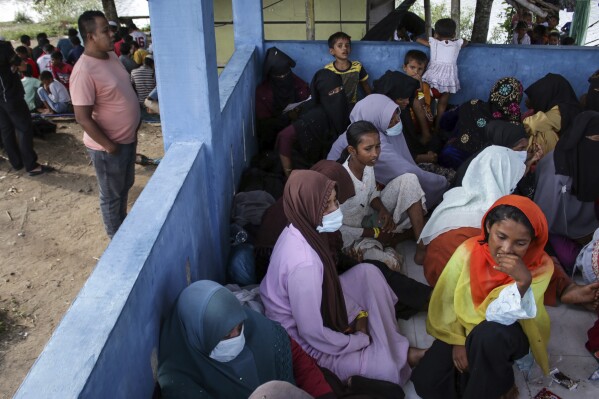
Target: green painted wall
x=292 y=10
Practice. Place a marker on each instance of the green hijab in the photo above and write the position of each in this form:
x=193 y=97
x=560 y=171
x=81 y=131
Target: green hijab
x=204 y=313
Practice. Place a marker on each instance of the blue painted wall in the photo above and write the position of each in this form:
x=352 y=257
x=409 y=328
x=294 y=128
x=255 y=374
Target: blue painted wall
x=480 y=66
x=177 y=232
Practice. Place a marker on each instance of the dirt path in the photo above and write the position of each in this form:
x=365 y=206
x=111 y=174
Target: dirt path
x=51 y=236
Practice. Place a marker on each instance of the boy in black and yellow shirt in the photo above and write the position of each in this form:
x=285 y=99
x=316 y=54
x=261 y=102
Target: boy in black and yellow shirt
x=352 y=72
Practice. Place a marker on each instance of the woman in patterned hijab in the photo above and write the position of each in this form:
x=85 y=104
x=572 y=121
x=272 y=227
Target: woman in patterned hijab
x=469 y=130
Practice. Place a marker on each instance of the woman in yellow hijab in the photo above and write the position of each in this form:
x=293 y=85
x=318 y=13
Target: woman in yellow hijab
x=486 y=310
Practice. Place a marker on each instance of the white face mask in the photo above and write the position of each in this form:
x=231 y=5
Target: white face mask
x=331 y=222
x=395 y=130
x=522 y=155
x=228 y=349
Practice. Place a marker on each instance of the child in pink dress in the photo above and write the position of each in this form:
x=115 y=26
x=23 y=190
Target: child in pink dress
x=442 y=71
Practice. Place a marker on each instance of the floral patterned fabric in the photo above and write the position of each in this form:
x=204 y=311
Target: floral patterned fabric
x=505 y=99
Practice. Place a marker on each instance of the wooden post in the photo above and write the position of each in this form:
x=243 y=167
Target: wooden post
x=310 y=26
x=427 y=18
x=455 y=15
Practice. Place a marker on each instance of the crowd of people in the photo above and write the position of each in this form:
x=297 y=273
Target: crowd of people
x=503 y=204
x=68 y=79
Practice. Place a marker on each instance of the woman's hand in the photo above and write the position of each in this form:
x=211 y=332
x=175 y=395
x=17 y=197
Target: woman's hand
x=388 y=239
x=460 y=358
x=535 y=153
x=386 y=220
x=513 y=266
x=361 y=325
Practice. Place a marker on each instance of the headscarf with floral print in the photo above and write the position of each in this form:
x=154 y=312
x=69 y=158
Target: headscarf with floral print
x=505 y=99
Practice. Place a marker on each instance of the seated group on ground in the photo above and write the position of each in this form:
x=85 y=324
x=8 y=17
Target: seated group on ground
x=46 y=69
x=503 y=205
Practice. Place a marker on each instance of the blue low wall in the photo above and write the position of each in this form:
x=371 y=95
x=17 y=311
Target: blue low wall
x=480 y=66
x=176 y=233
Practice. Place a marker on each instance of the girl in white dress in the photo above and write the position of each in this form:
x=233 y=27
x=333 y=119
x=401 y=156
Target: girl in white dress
x=373 y=219
x=442 y=71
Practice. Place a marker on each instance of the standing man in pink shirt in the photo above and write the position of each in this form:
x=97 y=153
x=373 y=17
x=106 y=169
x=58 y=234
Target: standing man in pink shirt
x=106 y=107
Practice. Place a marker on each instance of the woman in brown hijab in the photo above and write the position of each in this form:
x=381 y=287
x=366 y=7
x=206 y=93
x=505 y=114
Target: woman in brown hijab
x=412 y=295
x=347 y=323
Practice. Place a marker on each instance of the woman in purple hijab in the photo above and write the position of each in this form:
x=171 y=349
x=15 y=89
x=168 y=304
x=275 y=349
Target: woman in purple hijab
x=395 y=158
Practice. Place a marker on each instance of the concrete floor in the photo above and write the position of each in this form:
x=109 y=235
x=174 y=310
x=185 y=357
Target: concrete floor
x=566 y=346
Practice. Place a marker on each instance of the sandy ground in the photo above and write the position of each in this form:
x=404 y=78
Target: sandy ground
x=51 y=236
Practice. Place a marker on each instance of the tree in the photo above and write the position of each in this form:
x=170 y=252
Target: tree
x=482 y=18
x=53 y=10
x=110 y=10
x=440 y=10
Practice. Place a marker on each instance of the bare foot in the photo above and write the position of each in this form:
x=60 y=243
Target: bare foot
x=420 y=254
x=513 y=393
x=414 y=356
x=586 y=295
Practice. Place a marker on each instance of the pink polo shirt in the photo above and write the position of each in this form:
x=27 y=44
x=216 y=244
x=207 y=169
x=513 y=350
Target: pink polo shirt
x=106 y=85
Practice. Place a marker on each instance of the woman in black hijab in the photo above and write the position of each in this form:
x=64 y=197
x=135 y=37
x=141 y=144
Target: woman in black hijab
x=280 y=88
x=323 y=118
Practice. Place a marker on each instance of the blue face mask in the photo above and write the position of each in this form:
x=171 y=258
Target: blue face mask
x=228 y=349
x=331 y=222
x=522 y=155
x=395 y=130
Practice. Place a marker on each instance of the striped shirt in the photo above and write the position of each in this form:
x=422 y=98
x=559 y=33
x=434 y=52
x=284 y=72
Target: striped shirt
x=144 y=81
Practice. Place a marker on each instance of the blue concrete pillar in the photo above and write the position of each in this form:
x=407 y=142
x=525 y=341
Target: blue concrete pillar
x=248 y=28
x=185 y=56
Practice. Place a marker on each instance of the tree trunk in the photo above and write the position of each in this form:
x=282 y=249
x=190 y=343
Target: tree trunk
x=482 y=17
x=110 y=10
x=427 y=18
x=455 y=15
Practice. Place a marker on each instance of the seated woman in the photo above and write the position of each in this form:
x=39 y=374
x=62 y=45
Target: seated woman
x=213 y=347
x=371 y=218
x=412 y=296
x=456 y=219
x=345 y=322
x=567 y=187
x=491 y=175
x=555 y=105
x=467 y=122
x=510 y=135
x=395 y=158
x=280 y=88
x=487 y=308
x=307 y=140
x=591 y=99
x=587 y=262
x=424 y=147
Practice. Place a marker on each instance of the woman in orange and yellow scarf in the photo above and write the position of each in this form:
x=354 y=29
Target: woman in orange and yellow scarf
x=486 y=310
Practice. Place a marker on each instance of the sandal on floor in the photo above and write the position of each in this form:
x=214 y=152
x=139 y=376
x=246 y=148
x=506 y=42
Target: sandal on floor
x=43 y=169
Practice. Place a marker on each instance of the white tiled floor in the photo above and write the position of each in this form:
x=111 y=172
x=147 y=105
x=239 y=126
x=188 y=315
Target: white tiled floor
x=566 y=347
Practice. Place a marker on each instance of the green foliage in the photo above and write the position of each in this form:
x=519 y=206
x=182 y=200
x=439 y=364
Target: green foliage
x=502 y=34
x=442 y=10
x=21 y=17
x=13 y=31
x=58 y=10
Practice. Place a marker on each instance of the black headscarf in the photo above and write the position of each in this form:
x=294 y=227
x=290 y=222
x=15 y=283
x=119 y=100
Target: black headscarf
x=552 y=90
x=576 y=156
x=277 y=71
x=592 y=102
x=335 y=105
x=503 y=133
